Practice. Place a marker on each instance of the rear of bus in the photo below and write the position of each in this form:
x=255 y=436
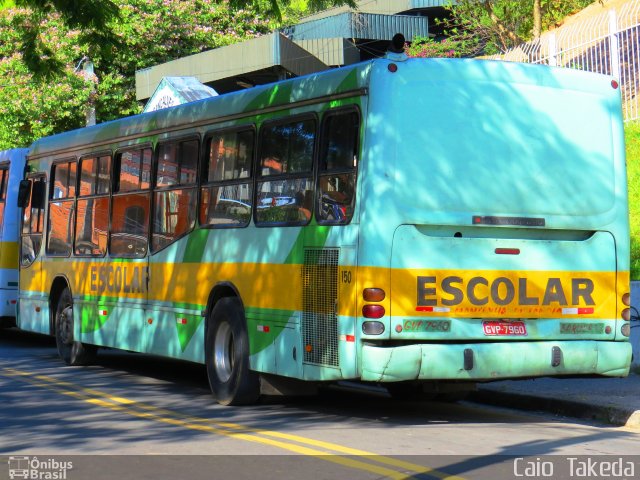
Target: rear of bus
x=11 y=172
x=494 y=238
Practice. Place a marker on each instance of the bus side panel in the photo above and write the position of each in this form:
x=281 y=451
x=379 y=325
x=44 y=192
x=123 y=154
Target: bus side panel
x=110 y=301
x=8 y=278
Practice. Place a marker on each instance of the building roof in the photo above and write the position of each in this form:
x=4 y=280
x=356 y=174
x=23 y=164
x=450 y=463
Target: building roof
x=272 y=56
x=335 y=37
x=178 y=90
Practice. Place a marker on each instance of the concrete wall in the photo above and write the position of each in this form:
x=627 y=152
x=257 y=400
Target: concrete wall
x=635 y=325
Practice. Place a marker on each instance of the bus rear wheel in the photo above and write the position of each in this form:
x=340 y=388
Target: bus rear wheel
x=227 y=355
x=71 y=351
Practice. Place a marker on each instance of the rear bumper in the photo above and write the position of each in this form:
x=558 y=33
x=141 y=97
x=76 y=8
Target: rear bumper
x=493 y=361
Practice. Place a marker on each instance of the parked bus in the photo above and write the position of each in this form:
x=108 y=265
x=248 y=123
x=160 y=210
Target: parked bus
x=405 y=222
x=11 y=172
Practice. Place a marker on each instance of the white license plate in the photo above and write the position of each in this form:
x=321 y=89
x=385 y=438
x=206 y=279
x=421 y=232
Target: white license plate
x=499 y=328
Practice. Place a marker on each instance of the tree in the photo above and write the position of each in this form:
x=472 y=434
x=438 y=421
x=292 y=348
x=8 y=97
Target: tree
x=92 y=18
x=95 y=19
x=42 y=42
x=493 y=26
x=146 y=32
x=537 y=19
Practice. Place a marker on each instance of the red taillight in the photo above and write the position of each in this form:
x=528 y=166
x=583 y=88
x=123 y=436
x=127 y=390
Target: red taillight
x=373 y=311
x=373 y=294
x=507 y=251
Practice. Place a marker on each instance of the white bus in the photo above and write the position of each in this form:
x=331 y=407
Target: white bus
x=11 y=172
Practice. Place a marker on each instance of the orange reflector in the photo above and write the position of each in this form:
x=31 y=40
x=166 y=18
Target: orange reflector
x=399 y=328
x=149 y=321
x=373 y=311
x=37 y=309
x=308 y=348
x=607 y=329
x=351 y=338
x=373 y=294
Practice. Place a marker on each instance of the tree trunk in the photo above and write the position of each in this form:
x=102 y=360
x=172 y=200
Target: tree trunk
x=508 y=37
x=537 y=20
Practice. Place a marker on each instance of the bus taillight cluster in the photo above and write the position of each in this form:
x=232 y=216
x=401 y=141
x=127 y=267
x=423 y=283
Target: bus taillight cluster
x=373 y=310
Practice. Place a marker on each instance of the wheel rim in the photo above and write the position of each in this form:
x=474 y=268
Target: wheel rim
x=65 y=325
x=224 y=352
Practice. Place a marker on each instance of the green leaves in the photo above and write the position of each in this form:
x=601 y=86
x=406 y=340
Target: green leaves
x=83 y=14
x=42 y=41
x=91 y=17
x=447 y=48
x=497 y=25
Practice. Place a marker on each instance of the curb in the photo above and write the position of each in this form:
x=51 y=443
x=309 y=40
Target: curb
x=610 y=414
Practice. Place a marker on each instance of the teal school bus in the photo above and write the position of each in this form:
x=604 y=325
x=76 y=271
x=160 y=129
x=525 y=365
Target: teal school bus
x=414 y=223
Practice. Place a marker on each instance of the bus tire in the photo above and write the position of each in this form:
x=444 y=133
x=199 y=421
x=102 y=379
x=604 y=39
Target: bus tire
x=227 y=355
x=71 y=351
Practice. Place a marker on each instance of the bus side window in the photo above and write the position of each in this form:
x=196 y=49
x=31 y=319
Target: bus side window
x=227 y=191
x=61 y=208
x=32 y=223
x=4 y=175
x=131 y=203
x=284 y=193
x=337 y=168
x=92 y=218
x=174 y=199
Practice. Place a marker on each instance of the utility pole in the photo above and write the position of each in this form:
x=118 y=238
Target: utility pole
x=89 y=76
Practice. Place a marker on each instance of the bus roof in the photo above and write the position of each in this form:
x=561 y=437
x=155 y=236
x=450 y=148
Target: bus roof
x=335 y=83
x=330 y=84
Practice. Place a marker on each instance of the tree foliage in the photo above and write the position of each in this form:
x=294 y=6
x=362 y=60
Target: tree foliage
x=492 y=26
x=92 y=19
x=42 y=43
x=41 y=91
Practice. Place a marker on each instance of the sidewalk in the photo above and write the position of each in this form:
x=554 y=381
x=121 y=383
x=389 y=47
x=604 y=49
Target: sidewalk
x=610 y=400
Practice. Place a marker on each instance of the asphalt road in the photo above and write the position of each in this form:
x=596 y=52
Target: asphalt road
x=137 y=416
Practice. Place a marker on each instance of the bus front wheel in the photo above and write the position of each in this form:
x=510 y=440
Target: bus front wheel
x=71 y=351
x=227 y=355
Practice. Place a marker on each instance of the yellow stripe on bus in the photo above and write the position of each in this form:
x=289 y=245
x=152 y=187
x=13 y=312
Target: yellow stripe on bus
x=9 y=255
x=410 y=292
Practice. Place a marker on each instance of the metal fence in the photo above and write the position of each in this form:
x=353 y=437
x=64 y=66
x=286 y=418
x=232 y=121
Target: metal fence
x=606 y=43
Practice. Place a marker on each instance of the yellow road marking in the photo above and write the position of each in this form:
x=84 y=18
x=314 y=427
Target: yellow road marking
x=233 y=430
